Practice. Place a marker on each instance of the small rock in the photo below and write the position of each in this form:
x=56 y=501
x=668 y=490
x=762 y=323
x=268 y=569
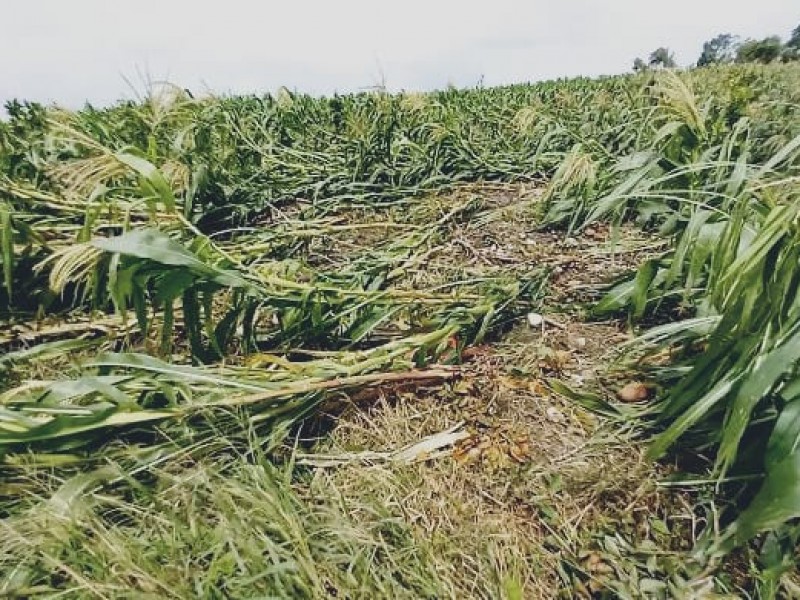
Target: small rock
x=578 y=380
x=535 y=319
x=579 y=342
x=554 y=415
x=634 y=392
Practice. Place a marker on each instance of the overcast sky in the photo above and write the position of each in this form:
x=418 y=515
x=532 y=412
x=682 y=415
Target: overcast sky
x=72 y=51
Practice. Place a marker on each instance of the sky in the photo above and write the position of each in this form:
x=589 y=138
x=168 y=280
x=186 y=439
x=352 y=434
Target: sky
x=73 y=51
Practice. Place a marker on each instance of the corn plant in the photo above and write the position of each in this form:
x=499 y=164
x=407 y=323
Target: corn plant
x=732 y=267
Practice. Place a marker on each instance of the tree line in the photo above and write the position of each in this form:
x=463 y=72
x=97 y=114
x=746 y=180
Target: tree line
x=728 y=48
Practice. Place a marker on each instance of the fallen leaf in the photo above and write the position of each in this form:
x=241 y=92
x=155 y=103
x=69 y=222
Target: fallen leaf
x=537 y=387
x=519 y=452
x=513 y=383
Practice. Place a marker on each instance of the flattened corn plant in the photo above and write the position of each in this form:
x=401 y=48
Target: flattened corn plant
x=188 y=216
x=106 y=209
x=728 y=285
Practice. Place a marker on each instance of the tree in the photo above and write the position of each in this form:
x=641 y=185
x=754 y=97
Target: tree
x=764 y=51
x=639 y=65
x=794 y=40
x=721 y=49
x=662 y=57
x=792 y=51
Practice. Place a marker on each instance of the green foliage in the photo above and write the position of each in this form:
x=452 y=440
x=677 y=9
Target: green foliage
x=794 y=39
x=662 y=57
x=123 y=391
x=792 y=48
x=719 y=50
x=762 y=51
x=732 y=266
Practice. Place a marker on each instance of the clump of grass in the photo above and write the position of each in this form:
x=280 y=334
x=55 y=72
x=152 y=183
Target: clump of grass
x=236 y=523
x=233 y=527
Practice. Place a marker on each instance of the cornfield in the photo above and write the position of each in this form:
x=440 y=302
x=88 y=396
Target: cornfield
x=186 y=263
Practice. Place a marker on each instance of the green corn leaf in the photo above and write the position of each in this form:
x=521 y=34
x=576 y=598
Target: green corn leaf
x=152 y=180
x=692 y=415
x=784 y=154
x=158 y=247
x=641 y=287
x=777 y=501
x=99 y=419
x=143 y=362
x=616 y=298
x=785 y=438
x=59 y=392
x=7 y=248
x=756 y=384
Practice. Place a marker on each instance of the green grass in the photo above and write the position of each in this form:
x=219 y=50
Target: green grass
x=238 y=525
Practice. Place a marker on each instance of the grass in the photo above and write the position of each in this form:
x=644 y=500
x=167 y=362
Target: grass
x=238 y=526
